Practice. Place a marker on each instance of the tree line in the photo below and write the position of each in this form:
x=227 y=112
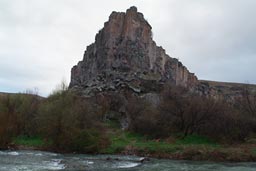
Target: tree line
x=183 y=113
x=71 y=122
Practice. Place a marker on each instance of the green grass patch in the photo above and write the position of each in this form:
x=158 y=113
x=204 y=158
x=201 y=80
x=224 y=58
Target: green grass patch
x=29 y=141
x=194 y=140
x=153 y=146
x=121 y=139
x=253 y=151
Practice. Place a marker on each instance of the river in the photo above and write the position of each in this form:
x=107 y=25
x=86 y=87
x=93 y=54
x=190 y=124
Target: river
x=46 y=161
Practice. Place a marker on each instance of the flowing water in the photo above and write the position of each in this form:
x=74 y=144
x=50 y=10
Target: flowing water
x=45 y=161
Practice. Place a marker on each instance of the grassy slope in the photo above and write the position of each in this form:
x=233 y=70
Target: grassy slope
x=23 y=94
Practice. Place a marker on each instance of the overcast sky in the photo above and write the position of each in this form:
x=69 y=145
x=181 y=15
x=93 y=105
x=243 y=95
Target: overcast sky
x=40 y=40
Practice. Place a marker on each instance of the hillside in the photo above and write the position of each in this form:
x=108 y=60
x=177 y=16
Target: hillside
x=22 y=94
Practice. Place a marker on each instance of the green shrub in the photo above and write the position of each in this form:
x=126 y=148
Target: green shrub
x=89 y=141
x=71 y=122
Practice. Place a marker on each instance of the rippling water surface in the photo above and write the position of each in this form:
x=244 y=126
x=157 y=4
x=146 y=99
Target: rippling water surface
x=45 y=161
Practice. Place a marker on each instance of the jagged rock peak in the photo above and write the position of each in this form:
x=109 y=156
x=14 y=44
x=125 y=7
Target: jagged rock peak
x=130 y=25
x=124 y=54
x=132 y=9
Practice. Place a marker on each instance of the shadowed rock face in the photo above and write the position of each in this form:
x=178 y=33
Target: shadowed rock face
x=125 y=55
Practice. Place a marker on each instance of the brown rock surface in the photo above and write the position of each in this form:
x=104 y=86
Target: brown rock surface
x=125 y=55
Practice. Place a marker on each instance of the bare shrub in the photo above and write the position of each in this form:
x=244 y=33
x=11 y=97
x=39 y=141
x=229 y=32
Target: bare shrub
x=143 y=117
x=17 y=116
x=71 y=122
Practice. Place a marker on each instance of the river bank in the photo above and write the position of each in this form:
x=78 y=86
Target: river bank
x=238 y=153
x=126 y=143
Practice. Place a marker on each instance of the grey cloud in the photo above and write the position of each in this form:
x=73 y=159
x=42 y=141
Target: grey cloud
x=213 y=38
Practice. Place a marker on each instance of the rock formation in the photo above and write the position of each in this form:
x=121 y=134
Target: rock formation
x=224 y=90
x=125 y=55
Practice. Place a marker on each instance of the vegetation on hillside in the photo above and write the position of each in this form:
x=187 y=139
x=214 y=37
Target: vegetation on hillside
x=180 y=124
x=181 y=113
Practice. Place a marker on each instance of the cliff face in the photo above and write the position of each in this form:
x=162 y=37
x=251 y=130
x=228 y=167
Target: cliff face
x=125 y=55
x=224 y=90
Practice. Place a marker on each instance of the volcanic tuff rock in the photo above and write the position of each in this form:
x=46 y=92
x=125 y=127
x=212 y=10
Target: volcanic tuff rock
x=125 y=55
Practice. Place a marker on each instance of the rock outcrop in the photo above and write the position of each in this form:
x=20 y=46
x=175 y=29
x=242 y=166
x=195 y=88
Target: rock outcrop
x=224 y=90
x=125 y=55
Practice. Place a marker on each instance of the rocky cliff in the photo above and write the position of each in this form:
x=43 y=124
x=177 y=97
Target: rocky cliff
x=125 y=55
x=224 y=90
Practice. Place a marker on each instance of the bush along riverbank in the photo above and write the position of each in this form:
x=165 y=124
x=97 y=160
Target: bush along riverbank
x=181 y=126
x=192 y=147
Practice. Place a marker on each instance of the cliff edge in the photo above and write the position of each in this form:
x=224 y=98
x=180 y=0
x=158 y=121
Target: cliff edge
x=125 y=55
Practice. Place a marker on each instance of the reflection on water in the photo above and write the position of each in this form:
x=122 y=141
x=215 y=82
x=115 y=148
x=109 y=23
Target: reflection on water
x=45 y=161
